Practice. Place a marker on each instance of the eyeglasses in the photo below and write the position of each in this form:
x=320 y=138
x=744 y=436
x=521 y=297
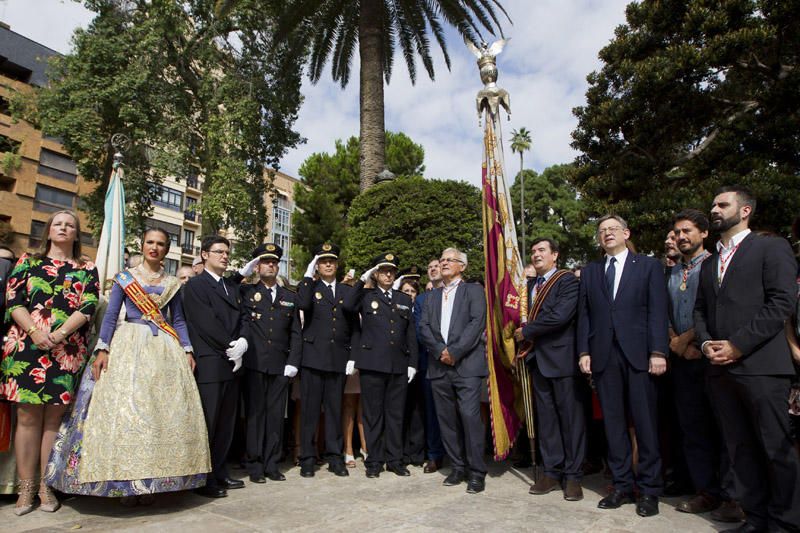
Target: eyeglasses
x=450 y=260
x=219 y=252
x=611 y=229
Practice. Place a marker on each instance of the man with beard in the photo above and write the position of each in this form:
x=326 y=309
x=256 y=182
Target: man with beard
x=747 y=291
x=671 y=253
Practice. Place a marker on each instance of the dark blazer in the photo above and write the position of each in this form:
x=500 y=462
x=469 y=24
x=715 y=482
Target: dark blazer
x=214 y=320
x=327 y=327
x=465 y=339
x=5 y=269
x=553 y=331
x=637 y=317
x=272 y=329
x=757 y=295
x=388 y=340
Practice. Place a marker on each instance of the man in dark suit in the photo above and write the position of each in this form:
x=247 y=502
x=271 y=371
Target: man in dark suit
x=452 y=327
x=5 y=269
x=553 y=297
x=213 y=315
x=272 y=324
x=747 y=292
x=622 y=342
x=327 y=332
x=386 y=359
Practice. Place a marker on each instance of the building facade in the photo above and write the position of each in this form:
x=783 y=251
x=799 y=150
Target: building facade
x=280 y=206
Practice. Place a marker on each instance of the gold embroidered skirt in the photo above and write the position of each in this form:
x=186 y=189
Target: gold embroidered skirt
x=145 y=419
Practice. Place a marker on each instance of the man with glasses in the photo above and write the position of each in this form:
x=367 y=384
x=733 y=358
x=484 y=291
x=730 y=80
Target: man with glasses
x=622 y=342
x=452 y=327
x=213 y=315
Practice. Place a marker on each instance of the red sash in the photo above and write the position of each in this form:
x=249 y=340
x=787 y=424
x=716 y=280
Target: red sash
x=526 y=346
x=144 y=303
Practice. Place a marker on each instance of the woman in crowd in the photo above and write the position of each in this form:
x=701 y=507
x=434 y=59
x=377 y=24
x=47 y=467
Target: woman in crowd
x=51 y=297
x=137 y=427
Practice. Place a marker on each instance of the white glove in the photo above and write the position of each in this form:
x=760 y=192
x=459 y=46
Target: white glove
x=289 y=371
x=237 y=348
x=249 y=267
x=368 y=274
x=350 y=368
x=397 y=283
x=312 y=267
x=411 y=373
x=237 y=363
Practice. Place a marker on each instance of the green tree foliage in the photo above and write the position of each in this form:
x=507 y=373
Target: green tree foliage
x=329 y=185
x=416 y=219
x=196 y=94
x=553 y=210
x=693 y=95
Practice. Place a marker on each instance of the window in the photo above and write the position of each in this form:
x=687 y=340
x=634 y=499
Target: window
x=188 y=241
x=190 y=213
x=8 y=145
x=4 y=106
x=50 y=199
x=57 y=166
x=169 y=198
x=37 y=231
x=281 y=220
x=192 y=181
x=171 y=266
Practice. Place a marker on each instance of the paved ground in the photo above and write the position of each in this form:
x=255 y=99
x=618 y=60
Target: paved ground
x=355 y=504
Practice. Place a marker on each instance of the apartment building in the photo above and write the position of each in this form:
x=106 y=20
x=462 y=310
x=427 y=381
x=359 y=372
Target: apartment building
x=280 y=206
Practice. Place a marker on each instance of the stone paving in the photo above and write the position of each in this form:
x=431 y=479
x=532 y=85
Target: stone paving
x=356 y=504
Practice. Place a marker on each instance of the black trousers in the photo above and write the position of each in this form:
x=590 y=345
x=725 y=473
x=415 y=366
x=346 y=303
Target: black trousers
x=433 y=435
x=458 y=408
x=219 y=402
x=383 y=398
x=414 y=422
x=561 y=424
x=623 y=389
x=265 y=401
x=754 y=418
x=702 y=445
x=319 y=388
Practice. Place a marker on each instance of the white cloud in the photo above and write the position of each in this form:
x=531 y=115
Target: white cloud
x=554 y=46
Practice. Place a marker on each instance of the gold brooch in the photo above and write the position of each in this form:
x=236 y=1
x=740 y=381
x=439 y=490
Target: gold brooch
x=257 y=297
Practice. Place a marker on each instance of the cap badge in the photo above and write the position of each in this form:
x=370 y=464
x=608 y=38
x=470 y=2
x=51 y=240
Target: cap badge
x=270 y=247
x=389 y=257
x=326 y=247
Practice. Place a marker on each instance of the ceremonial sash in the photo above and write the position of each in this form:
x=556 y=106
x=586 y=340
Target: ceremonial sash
x=526 y=346
x=144 y=303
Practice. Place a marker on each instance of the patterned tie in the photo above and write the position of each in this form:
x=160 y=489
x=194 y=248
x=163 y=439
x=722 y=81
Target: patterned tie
x=611 y=273
x=537 y=287
x=222 y=283
x=388 y=295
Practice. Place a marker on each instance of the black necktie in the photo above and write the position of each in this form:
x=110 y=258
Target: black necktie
x=611 y=273
x=269 y=295
x=330 y=291
x=222 y=283
x=388 y=295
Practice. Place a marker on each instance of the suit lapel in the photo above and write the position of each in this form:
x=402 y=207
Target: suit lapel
x=628 y=273
x=714 y=272
x=738 y=257
x=219 y=291
x=457 y=297
x=436 y=306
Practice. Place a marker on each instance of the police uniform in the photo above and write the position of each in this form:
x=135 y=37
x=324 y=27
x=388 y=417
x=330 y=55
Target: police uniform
x=327 y=332
x=272 y=325
x=386 y=349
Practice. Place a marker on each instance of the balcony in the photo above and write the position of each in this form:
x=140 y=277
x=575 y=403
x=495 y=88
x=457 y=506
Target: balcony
x=193 y=183
x=191 y=251
x=191 y=217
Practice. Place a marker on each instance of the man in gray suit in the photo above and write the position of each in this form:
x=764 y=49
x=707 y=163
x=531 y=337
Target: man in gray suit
x=452 y=327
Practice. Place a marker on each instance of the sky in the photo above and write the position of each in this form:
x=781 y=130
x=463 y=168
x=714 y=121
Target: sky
x=554 y=45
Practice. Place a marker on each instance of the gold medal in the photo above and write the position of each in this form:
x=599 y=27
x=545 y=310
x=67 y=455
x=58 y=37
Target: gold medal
x=374 y=304
x=318 y=295
x=683 y=286
x=257 y=297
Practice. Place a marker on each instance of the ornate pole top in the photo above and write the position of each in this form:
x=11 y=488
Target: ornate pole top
x=121 y=143
x=491 y=97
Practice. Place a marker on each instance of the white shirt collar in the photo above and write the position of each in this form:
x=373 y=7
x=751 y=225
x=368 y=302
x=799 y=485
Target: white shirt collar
x=549 y=273
x=216 y=278
x=735 y=240
x=620 y=257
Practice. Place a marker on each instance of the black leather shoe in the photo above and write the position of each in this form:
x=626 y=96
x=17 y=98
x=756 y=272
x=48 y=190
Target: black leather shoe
x=275 y=476
x=398 y=470
x=476 y=484
x=373 y=471
x=230 y=483
x=211 y=492
x=615 y=500
x=456 y=477
x=647 y=506
x=257 y=478
x=307 y=470
x=339 y=469
x=745 y=528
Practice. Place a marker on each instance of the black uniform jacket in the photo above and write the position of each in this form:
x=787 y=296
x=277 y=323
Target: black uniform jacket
x=214 y=320
x=327 y=327
x=272 y=329
x=388 y=339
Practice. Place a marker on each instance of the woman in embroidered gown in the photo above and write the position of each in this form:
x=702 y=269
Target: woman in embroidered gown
x=50 y=297
x=137 y=427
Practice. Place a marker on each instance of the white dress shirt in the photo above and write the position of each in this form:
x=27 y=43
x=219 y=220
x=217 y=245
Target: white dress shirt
x=448 y=297
x=727 y=253
x=217 y=278
x=619 y=266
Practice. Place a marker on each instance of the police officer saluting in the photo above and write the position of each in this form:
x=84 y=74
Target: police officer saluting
x=386 y=358
x=272 y=325
x=327 y=330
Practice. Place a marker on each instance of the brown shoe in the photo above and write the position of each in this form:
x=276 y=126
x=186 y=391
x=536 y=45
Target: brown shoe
x=728 y=512
x=573 y=491
x=701 y=503
x=544 y=485
x=432 y=466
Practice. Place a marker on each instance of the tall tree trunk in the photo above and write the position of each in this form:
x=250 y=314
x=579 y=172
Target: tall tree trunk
x=522 y=204
x=372 y=149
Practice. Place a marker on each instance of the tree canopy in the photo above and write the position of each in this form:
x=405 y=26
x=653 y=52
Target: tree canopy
x=197 y=94
x=693 y=95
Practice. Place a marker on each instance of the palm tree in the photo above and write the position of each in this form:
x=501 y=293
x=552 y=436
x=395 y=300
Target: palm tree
x=521 y=143
x=333 y=28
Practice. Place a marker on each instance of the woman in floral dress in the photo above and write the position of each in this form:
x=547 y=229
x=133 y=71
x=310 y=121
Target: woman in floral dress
x=50 y=298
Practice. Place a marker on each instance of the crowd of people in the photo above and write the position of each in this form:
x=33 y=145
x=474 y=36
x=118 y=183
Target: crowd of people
x=689 y=362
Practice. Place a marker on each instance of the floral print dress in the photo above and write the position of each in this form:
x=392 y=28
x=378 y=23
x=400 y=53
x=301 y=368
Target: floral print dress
x=51 y=290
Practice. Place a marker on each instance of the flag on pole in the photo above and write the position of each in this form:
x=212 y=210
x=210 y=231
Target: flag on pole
x=505 y=286
x=111 y=248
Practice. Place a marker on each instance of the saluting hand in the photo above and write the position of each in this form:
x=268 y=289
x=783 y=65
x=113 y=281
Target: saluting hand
x=312 y=267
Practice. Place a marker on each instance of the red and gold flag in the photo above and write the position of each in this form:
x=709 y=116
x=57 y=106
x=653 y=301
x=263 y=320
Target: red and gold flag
x=505 y=290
